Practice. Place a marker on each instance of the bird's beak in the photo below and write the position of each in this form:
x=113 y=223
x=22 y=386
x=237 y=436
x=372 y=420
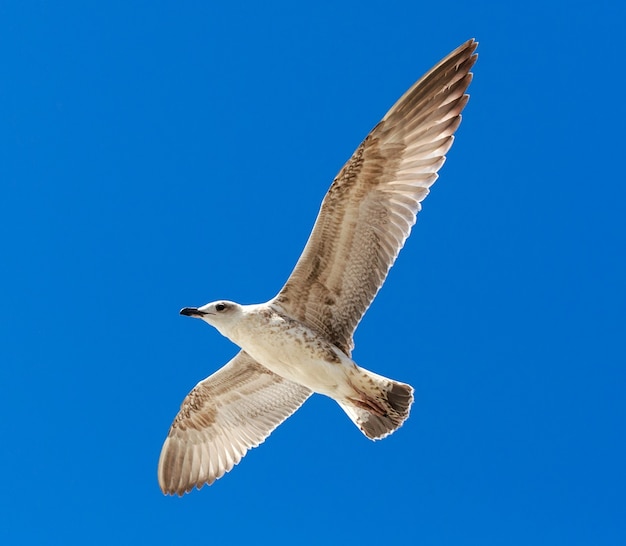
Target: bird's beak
x=192 y=312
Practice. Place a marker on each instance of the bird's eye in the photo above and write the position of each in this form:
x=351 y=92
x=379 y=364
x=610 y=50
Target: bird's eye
x=220 y=307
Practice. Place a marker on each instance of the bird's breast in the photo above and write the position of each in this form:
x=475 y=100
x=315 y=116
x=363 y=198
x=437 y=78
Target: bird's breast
x=294 y=351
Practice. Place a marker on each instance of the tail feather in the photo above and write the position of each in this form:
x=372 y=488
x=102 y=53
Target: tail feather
x=383 y=406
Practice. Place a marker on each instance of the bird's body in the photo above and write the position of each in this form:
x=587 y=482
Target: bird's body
x=294 y=351
x=301 y=341
x=291 y=349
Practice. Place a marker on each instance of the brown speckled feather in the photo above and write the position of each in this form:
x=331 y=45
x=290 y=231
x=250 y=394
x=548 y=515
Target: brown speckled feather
x=223 y=417
x=371 y=206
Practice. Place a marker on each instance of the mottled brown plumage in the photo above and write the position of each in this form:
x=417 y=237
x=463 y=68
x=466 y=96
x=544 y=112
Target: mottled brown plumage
x=372 y=204
x=224 y=416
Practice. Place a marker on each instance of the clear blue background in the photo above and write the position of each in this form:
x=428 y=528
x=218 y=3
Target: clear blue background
x=155 y=155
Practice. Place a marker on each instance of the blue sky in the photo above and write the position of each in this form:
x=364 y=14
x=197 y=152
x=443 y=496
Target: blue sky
x=157 y=155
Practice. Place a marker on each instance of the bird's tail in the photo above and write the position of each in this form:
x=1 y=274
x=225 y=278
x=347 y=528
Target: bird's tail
x=381 y=408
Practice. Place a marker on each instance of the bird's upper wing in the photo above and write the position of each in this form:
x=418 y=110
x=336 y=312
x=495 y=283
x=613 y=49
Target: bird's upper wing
x=371 y=206
x=224 y=416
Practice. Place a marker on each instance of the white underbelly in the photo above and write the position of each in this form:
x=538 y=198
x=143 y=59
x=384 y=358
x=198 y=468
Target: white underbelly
x=303 y=359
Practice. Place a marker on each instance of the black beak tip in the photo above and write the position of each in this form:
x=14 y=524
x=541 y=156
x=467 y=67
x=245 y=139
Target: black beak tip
x=190 y=312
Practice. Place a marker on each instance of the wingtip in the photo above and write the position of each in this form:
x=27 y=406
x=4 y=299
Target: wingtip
x=470 y=45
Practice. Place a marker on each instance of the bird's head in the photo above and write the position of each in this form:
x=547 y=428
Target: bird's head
x=222 y=314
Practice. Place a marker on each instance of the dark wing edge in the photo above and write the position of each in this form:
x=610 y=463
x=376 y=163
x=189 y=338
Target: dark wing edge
x=223 y=417
x=372 y=204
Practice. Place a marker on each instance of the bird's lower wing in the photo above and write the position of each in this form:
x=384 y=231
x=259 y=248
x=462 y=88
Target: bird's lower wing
x=223 y=417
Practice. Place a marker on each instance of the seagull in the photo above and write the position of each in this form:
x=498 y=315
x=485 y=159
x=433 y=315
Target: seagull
x=300 y=342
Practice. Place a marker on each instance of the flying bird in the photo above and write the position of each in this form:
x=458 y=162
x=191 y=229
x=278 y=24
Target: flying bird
x=300 y=342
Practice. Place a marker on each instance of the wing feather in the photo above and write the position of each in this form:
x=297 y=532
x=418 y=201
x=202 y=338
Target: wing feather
x=372 y=204
x=223 y=417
